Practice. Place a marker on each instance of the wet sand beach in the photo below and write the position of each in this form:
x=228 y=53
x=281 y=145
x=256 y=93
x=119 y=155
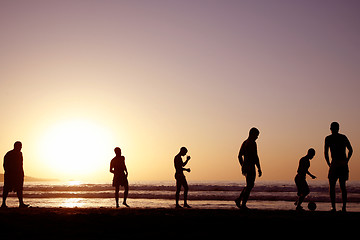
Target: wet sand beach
x=105 y=223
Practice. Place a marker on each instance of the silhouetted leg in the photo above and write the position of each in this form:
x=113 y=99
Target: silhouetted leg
x=177 y=194
x=238 y=200
x=186 y=190
x=246 y=195
x=242 y=194
x=343 y=193
x=303 y=192
x=126 y=192
x=300 y=201
x=332 y=184
x=21 y=201
x=247 y=190
x=20 y=197
x=117 y=189
x=5 y=194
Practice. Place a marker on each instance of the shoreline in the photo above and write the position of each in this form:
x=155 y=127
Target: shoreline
x=81 y=223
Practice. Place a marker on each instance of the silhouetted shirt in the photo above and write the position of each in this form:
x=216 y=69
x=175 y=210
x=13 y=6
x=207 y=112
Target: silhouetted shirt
x=303 y=168
x=338 y=144
x=249 y=151
x=178 y=163
x=13 y=164
x=118 y=164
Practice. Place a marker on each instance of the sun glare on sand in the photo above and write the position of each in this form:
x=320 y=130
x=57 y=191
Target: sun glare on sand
x=76 y=148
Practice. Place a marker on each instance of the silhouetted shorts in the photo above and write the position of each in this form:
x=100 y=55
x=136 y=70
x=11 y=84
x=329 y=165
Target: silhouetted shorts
x=120 y=180
x=13 y=183
x=339 y=172
x=302 y=186
x=181 y=180
x=250 y=173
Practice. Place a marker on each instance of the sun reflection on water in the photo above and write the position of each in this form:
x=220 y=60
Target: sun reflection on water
x=74 y=183
x=73 y=203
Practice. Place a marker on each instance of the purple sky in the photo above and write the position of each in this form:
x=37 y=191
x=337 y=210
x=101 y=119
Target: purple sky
x=162 y=74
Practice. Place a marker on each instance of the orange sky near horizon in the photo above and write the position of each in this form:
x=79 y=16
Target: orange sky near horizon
x=80 y=78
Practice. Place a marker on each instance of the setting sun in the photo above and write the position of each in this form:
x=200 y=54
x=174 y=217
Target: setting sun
x=75 y=148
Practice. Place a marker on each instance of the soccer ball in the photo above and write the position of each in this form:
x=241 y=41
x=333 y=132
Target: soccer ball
x=312 y=206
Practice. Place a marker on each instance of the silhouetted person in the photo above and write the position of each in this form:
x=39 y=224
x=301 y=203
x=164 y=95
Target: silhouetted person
x=300 y=179
x=248 y=159
x=14 y=175
x=118 y=168
x=339 y=169
x=180 y=177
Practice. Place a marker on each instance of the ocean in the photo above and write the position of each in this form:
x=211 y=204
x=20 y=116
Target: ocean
x=268 y=195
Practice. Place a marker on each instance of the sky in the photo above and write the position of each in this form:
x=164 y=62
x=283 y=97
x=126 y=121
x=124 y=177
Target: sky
x=79 y=78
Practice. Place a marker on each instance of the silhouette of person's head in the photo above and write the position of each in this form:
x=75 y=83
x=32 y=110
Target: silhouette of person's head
x=17 y=146
x=183 y=151
x=334 y=127
x=311 y=153
x=254 y=133
x=117 y=151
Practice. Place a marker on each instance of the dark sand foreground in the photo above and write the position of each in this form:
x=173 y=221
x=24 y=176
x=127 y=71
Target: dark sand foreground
x=105 y=223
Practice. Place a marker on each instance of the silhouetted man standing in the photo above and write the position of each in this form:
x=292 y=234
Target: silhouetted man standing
x=118 y=168
x=248 y=159
x=14 y=175
x=180 y=177
x=339 y=169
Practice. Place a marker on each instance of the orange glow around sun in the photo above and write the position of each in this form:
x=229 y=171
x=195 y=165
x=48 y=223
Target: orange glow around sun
x=75 y=148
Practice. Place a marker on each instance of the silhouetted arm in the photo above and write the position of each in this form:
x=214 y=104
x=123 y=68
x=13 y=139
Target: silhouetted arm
x=241 y=154
x=350 y=149
x=186 y=161
x=326 y=152
x=21 y=166
x=312 y=176
x=241 y=160
x=111 y=167
x=257 y=163
x=125 y=169
x=179 y=164
x=5 y=163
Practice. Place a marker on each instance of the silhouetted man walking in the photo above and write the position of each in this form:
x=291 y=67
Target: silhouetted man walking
x=248 y=159
x=14 y=175
x=338 y=167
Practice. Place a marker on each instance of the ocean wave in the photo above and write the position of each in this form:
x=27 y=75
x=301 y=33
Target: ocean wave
x=192 y=196
x=225 y=187
x=198 y=191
